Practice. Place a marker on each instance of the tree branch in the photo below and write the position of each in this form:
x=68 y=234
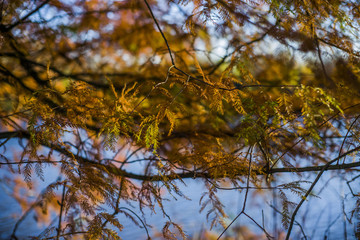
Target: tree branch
x=8 y=28
x=324 y=168
x=192 y=174
x=61 y=211
x=162 y=34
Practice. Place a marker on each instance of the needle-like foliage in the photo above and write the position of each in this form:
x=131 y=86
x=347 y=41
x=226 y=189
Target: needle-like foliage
x=127 y=99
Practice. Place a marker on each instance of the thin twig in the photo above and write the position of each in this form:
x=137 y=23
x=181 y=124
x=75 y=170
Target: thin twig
x=343 y=142
x=296 y=222
x=238 y=48
x=245 y=187
x=257 y=224
x=142 y=222
x=15 y=163
x=13 y=234
x=116 y=207
x=324 y=168
x=302 y=138
x=240 y=87
x=182 y=89
x=209 y=84
x=351 y=190
x=152 y=89
x=15 y=113
x=162 y=34
x=8 y=28
x=245 y=198
x=33 y=205
x=62 y=203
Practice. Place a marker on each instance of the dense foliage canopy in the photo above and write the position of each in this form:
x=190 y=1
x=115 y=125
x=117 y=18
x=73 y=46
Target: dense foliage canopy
x=128 y=98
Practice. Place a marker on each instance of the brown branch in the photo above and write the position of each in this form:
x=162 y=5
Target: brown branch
x=61 y=211
x=162 y=34
x=26 y=162
x=318 y=168
x=8 y=28
x=357 y=54
x=7 y=73
x=80 y=76
x=241 y=87
x=192 y=174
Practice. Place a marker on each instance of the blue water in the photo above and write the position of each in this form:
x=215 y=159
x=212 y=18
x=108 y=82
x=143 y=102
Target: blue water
x=321 y=217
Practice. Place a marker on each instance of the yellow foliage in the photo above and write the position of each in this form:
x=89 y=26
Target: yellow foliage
x=129 y=98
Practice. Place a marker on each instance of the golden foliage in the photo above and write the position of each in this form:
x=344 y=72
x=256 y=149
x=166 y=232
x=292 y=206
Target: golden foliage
x=128 y=98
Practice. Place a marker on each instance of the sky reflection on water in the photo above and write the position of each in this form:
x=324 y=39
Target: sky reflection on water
x=320 y=216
